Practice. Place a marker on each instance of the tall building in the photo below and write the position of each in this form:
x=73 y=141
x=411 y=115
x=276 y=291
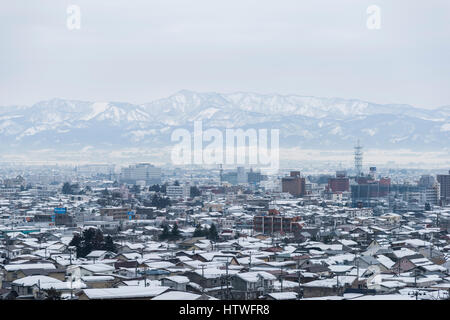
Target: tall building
x=444 y=182
x=340 y=183
x=241 y=175
x=178 y=192
x=255 y=177
x=426 y=181
x=294 y=184
x=141 y=172
x=366 y=192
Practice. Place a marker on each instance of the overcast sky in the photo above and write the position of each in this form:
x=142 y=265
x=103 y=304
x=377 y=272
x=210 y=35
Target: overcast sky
x=138 y=51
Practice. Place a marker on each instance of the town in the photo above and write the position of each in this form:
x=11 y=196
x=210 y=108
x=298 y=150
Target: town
x=144 y=232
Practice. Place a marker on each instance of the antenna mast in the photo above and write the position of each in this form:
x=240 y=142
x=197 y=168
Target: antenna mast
x=358 y=159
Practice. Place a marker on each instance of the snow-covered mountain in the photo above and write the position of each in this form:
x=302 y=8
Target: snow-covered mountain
x=304 y=122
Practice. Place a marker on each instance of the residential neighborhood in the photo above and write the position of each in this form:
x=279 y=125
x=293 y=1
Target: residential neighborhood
x=104 y=239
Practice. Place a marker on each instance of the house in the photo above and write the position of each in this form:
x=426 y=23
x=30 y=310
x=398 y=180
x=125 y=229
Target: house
x=281 y=296
x=175 y=282
x=328 y=287
x=122 y=293
x=12 y=270
x=34 y=287
x=97 y=255
x=179 y=295
x=79 y=271
x=99 y=281
x=251 y=285
x=30 y=287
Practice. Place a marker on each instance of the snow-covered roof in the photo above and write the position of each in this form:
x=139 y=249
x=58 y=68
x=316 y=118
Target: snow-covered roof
x=283 y=295
x=124 y=292
x=255 y=276
x=177 y=295
x=177 y=279
x=15 y=267
x=35 y=280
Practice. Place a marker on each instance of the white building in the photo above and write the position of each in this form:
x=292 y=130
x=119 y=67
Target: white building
x=141 y=172
x=178 y=192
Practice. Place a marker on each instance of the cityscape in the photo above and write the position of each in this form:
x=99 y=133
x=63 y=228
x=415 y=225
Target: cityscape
x=146 y=232
x=235 y=158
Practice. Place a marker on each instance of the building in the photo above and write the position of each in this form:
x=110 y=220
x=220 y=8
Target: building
x=366 y=192
x=118 y=213
x=340 y=183
x=294 y=184
x=178 y=192
x=444 y=182
x=141 y=172
x=255 y=177
x=274 y=223
x=241 y=175
x=426 y=181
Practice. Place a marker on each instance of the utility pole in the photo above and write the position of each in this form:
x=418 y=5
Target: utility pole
x=357 y=269
x=281 y=278
x=415 y=278
x=337 y=283
x=228 y=288
x=299 y=282
x=203 y=278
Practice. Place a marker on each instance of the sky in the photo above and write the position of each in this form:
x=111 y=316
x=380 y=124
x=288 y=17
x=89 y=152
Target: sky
x=141 y=50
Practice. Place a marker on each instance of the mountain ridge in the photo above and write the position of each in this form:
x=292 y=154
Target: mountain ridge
x=303 y=121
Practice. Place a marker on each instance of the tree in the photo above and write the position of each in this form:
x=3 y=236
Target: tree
x=165 y=233
x=212 y=233
x=199 y=231
x=176 y=183
x=76 y=240
x=155 y=188
x=136 y=189
x=105 y=192
x=160 y=202
x=91 y=239
x=67 y=188
x=109 y=244
x=52 y=294
x=427 y=206
x=195 y=192
x=175 y=234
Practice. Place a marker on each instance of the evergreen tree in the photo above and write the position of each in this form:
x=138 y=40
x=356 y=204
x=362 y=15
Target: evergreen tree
x=109 y=244
x=195 y=192
x=175 y=233
x=213 y=234
x=199 y=232
x=165 y=233
x=76 y=242
x=160 y=202
x=67 y=188
x=91 y=239
x=136 y=189
x=155 y=188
